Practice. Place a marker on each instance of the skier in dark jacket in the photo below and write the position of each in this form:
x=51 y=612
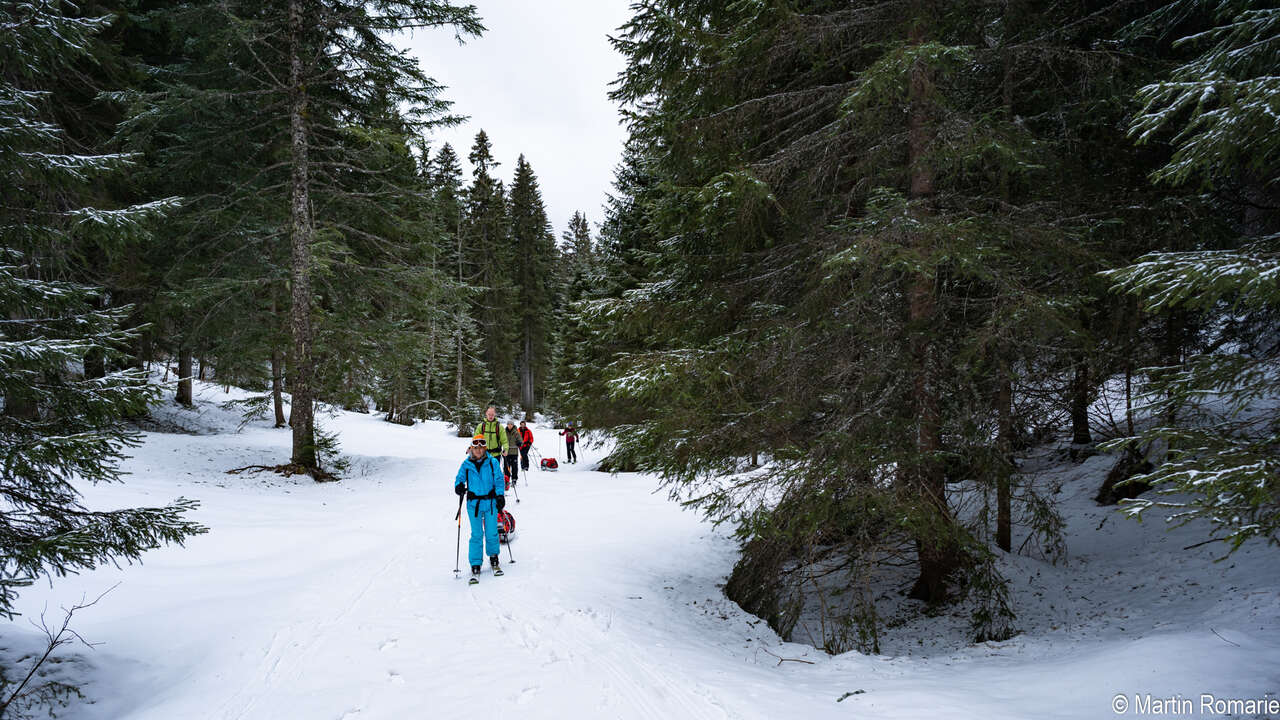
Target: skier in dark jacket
x=480 y=479
x=526 y=442
x=509 y=463
x=570 y=439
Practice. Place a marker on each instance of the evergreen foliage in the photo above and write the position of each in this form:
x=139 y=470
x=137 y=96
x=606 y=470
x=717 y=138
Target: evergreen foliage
x=1218 y=422
x=537 y=281
x=857 y=256
x=465 y=381
x=580 y=277
x=852 y=262
x=362 y=275
x=487 y=249
x=60 y=424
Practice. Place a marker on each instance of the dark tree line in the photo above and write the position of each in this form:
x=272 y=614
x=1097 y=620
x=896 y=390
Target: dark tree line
x=314 y=246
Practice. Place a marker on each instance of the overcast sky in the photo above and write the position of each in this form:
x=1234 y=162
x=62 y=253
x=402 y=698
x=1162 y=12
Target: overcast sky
x=536 y=82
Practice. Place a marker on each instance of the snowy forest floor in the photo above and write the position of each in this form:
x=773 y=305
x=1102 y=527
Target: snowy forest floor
x=339 y=601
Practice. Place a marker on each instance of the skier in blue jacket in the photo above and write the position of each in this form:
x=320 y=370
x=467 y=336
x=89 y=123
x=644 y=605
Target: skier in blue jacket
x=480 y=479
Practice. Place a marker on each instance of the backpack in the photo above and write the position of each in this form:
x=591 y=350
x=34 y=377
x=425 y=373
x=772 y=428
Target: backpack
x=497 y=431
x=549 y=464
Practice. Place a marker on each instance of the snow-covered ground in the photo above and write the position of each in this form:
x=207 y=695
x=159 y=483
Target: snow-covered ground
x=340 y=601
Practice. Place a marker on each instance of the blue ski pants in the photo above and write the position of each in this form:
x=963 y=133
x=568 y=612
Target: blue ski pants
x=483 y=515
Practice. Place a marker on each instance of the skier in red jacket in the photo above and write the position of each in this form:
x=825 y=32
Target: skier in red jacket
x=570 y=439
x=526 y=442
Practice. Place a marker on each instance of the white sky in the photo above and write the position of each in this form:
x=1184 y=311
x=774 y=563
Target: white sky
x=536 y=82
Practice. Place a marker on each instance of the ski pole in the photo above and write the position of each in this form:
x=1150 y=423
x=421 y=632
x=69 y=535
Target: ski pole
x=457 y=553
x=510 y=557
x=497 y=520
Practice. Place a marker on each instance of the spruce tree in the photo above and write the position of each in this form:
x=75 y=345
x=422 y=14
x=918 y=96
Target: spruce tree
x=578 y=247
x=317 y=82
x=854 y=232
x=214 y=281
x=463 y=378
x=535 y=291
x=580 y=277
x=1215 y=411
x=486 y=243
x=60 y=425
x=598 y=330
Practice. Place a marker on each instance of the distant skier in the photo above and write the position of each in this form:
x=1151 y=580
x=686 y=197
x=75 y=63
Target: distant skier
x=509 y=460
x=480 y=479
x=570 y=439
x=526 y=442
x=495 y=436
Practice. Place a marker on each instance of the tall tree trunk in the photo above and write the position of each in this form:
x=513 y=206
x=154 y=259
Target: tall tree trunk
x=142 y=350
x=1131 y=334
x=489 y=316
x=526 y=373
x=936 y=557
x=1080 y=434
x=304 y=443
x=461 y=333
x=277 y=387
x=1004 y=382
x=433 y=325
x=184 y=376
x=1004 y=467
x=391 y=404
x=457 y=400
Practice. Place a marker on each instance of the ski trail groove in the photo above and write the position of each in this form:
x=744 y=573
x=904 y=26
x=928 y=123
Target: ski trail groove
x=304 y=635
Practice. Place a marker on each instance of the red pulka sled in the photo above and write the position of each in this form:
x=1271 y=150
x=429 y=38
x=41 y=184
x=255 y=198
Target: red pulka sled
x=506 y=526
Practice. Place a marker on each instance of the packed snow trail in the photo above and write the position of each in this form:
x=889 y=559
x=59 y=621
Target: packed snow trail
x=339 y=601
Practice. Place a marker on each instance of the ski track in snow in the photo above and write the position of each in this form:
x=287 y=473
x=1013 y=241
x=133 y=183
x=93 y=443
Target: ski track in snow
x=339 y=601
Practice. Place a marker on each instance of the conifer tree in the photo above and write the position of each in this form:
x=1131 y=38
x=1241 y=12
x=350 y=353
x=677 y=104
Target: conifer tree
x=579 y=277
x=60 y=425
x=1217 y=108
x=595 y=334
x=535 y=291
x=463 y=378
x=215 y=280
x=854 y=231
x=486 y=243
x=317 y=81
x=577 y=243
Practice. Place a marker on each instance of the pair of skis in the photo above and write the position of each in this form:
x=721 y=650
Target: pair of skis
x=497 y=572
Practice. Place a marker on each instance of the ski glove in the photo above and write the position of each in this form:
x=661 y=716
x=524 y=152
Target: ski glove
x=460 y=489
x=502 y=503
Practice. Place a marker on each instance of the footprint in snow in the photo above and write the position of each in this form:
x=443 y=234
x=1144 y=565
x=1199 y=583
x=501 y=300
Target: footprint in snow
x=388 y=645
x=527 y=694
x=395 y=678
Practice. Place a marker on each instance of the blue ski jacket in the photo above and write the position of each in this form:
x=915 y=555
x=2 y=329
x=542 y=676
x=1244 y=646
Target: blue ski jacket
x=486 y=481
